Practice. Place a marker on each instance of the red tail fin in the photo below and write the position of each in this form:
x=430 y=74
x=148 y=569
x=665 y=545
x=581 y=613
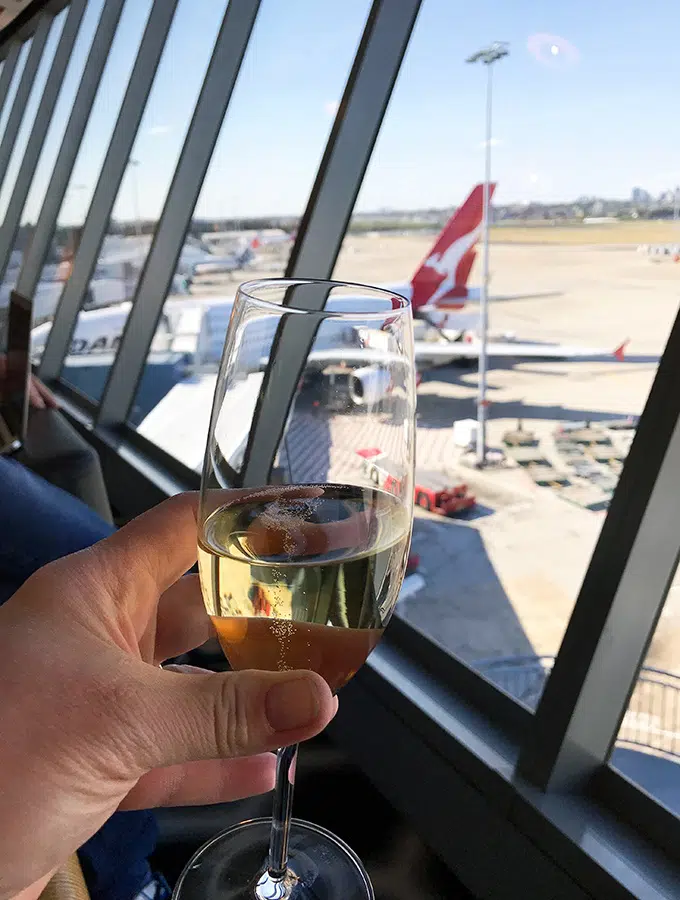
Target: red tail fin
x=464 y=268
x=441 y=279
x=620 y=351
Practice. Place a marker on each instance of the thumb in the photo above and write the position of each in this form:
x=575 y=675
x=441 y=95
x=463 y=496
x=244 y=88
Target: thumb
x=213 y=716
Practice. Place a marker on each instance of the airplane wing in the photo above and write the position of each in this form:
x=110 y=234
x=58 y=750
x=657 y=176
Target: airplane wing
x=536 y=295
x=439 y=352
x=474 y=296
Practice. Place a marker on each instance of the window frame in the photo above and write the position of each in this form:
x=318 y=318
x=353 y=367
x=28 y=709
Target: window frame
x=41 y=123
x=610 y=629
x=67 y=154
x=10 y=56
x=209 y=111
x=542 y=780
x=108 y=183
x=27 y=77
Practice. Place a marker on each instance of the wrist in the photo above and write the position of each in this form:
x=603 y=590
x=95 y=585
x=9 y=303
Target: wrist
x=33 y=891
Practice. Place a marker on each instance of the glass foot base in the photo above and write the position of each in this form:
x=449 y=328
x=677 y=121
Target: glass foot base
x=233 y=866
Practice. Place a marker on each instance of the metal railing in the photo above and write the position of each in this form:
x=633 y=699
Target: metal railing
x=651 y=722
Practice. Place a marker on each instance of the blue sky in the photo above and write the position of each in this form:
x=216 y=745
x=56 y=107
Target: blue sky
x=597 y=117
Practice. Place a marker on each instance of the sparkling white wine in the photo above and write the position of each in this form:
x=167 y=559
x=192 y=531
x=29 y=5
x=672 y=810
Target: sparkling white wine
x=303 y=576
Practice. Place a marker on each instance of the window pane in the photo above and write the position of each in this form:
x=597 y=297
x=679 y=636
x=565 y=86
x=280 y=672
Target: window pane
x=30 y=111
x=14 y=85
x=49 y=290
x=89 y=160
x=36 y=194
x=499 y=579
x=62 y=110
x=256 y=188
x=142 y=192
x=647 y=749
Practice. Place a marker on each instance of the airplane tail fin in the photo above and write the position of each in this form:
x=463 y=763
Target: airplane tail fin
x=620 y=351
x=441 y=279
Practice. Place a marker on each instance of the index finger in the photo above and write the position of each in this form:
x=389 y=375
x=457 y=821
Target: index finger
x=35 y=398
x=46 y=394
x=155 y=549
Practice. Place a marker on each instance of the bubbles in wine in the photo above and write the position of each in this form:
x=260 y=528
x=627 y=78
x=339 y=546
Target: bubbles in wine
x=330 y=556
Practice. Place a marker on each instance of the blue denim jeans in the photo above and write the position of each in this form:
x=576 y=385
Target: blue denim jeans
x=40 y=523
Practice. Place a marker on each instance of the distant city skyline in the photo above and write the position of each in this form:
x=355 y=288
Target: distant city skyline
x=572 y=116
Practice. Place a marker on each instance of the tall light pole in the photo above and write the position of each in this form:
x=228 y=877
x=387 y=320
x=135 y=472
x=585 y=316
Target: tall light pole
x=133 y=163
x=487 y=55
x=72 y=188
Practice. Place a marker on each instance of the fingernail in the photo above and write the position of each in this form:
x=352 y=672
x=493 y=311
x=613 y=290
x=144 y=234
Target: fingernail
x=292 y=704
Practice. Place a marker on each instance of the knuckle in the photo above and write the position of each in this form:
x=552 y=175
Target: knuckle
x=233 y=719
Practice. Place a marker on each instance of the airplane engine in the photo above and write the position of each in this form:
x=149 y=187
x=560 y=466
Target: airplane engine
x=369 y=385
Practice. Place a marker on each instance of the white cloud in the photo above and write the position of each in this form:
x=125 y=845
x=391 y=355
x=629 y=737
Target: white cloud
x=157 y=130
x=331 y=107
x=494 y=142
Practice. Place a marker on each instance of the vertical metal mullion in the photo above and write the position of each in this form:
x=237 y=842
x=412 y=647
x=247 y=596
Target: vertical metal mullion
x=620 y=601
x=70 y=145
x=8 y=68
x=41 y=124
x=368 y=90
x=156 y=277
x=355 y=130
x=23 y=92
x=108 y=183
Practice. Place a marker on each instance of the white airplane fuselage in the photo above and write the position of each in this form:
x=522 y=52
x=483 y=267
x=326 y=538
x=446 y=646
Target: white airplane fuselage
x=453 y=322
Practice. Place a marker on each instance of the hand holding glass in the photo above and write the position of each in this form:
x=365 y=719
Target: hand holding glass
x=304 y=531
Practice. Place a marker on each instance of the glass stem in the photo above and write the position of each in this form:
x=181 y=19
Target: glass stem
x=282 y=811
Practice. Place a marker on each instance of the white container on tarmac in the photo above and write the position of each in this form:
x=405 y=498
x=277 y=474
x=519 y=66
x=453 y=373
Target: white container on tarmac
x=464 y=432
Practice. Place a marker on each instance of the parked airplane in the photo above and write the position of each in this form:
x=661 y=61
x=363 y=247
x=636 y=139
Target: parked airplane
x=438 y=291
x=196 y=256
x=263 y=237
x=191 y=331
x=659 y=252
x=117 y=272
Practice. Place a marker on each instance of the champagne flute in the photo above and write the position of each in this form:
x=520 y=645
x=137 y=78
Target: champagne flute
x=304 y=532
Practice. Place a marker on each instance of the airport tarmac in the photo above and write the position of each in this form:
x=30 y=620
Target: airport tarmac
x=504 y=582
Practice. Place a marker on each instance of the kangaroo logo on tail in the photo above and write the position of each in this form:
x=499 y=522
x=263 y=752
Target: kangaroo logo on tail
x=441 y=279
